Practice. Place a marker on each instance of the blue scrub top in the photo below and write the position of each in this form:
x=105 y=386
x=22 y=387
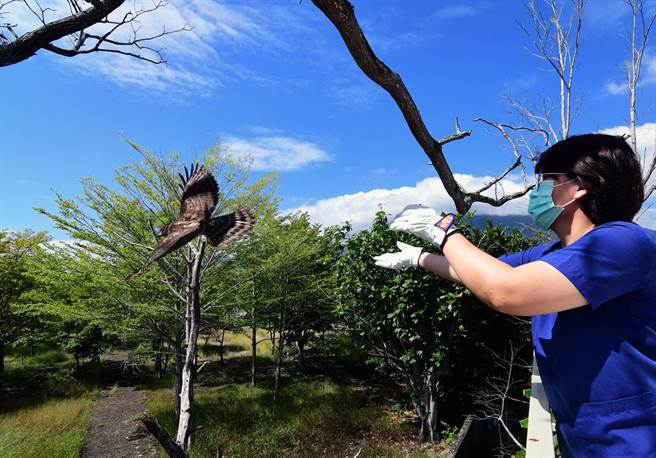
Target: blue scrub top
x=598 y=362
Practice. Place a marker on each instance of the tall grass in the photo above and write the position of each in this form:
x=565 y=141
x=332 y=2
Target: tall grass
x=44 y=406
x=237 y=345
x=309 y=419
x=54 y=429
x=48 y=357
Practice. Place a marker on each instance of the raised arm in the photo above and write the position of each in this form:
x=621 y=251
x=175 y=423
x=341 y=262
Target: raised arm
x=439 y=265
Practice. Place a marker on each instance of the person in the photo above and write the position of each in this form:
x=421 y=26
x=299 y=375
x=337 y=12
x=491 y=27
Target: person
x=591 y=294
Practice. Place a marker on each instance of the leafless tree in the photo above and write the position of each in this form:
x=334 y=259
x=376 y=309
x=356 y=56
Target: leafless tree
x=493 y=399
x=641 y=27
x=554 y=30
x=98 y=28
x=638 y=40
x=341 y=14
x=556 y=38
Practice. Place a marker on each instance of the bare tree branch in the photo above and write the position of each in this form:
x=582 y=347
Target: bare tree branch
x=25 y=46
x=493 y=399
x=341 y=14
x=556 y=40
x=640 y=30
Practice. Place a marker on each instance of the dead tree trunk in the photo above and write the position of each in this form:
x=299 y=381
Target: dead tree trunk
x=166 y=441
x=341 y=13
x=185 y=434
x=179 y=448
x=425 y=388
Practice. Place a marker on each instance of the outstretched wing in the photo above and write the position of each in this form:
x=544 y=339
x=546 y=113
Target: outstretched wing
x=200 y=193
x=199 y=197
x=179 y=233
x=228 y=228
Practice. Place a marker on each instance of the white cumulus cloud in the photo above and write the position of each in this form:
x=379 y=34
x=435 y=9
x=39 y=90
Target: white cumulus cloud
x=648 y=76
x=198 y=59
x=360 y=208
x=278 y=153
x=646 y=142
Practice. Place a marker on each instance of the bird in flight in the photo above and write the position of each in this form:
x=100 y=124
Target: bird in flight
x=199 y=199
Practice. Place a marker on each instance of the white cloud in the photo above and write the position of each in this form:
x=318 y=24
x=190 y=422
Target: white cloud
x=455 y=11
x=647 y=76
x=616 y=88
x=231 y=28
x=647 y=218
x=646 y=142
x=276 y=153
x=359 y=208
x=646 y=139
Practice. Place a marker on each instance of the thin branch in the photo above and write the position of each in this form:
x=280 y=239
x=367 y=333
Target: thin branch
x=73 y=26
x=341 y=14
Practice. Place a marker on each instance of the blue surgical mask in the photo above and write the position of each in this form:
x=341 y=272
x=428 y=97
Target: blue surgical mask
x=541 y=205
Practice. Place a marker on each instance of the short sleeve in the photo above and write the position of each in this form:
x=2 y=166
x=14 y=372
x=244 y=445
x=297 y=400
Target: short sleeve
x=523 y=257
x=607 y=262
x=513 y=259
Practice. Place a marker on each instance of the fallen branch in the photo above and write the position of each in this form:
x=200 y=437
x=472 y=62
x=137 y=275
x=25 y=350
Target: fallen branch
x=171 y=447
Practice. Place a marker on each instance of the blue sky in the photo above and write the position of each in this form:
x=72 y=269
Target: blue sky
x=274 y=78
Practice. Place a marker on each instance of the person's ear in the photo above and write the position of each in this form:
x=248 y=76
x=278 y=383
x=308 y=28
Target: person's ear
x=580 y=193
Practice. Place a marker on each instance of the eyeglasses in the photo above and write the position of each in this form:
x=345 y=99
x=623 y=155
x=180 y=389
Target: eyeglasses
x=540 y=177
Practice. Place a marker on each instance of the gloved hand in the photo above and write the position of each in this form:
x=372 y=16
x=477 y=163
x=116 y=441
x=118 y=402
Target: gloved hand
x=407 y=257
x=425 y=223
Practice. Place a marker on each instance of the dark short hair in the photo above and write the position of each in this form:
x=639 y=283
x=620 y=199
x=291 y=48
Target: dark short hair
x=606 y=167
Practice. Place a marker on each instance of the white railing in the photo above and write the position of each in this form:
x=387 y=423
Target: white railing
x=539 y=438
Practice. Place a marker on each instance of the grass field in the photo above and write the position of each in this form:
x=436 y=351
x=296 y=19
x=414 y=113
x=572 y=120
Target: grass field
x=44 y=409
x=310 y=419
x=54 y=429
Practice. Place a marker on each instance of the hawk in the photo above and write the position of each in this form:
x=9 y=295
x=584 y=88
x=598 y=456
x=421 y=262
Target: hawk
x=199 y=198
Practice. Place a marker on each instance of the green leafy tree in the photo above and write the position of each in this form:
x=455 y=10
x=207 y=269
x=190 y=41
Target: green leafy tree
x=311 y=305
x=116 y=228
x=296 y=251
x=19 y=318
x=280 y=272
x=422 y=330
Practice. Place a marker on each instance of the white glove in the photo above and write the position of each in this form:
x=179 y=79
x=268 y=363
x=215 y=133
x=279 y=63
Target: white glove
x=425 y=223
x=407 y=257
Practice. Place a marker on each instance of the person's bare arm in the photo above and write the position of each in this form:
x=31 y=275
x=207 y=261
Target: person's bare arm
x=439 y=265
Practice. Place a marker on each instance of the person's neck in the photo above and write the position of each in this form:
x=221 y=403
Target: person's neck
x=580 y=225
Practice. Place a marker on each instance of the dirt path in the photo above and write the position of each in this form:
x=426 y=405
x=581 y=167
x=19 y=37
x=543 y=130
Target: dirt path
x=112 y=431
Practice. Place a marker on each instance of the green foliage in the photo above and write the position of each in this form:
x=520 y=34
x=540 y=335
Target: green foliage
x=19 y=253
x=84 y=340
x=284 y=271
x=48 y=357
x=412 y=323
x=113 y=230
x=449 y=432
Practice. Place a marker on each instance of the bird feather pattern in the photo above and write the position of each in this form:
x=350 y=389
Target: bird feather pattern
x=199 y=199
